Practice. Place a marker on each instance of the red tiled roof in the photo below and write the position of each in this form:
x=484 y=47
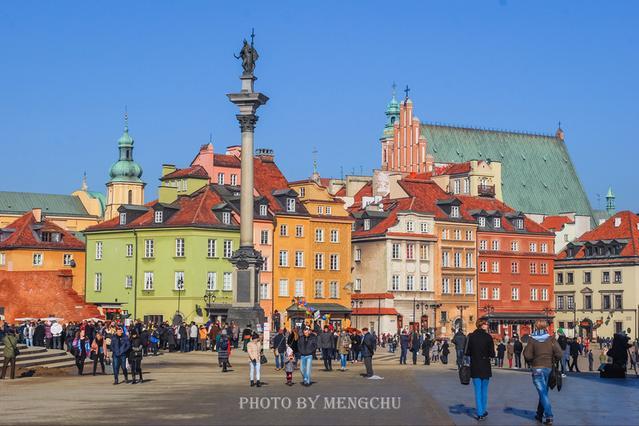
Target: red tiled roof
x=456 y=169
x=225 y=160
x=372 y=296
x=341 y=192
x=268 y=178
x=365 y=191
x=556 y=223
x=193 y=171
x=374 y=311
x=24 y=235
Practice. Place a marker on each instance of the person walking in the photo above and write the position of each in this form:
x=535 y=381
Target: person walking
x=10 y=342
x=82 y=348
x=501 y=350
x=120 y=346
x=459 y=340
x=563 y=344
x=307 y=345
x=194 y=334
x=542 y=352
x=510 y=350
x=445 y=352
x=518 y=348
x=343 y=347
x=56 y=333
x=403 y=345
x=223 y=348
x=480 y=349
x=135 y=356
x=426 y=344
x=289 y=365
x=414 y=344
x=292 y=342
x=369 y=342
x=327 y=346
x=254 y=350
x=98 y=351
x=574 y=354
x=279 y=349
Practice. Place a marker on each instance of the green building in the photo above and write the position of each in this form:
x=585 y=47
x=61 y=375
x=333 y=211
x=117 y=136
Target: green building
x=158 y=262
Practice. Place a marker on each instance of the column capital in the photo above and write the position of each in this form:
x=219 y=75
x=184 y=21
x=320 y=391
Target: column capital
x=247 y=122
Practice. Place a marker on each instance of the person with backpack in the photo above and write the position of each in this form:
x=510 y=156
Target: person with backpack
x=542 y=352
x=135 y=356
x=98 y=351
x=343 y=347
x=10 y=342
x=480 y=349
x=223 y=350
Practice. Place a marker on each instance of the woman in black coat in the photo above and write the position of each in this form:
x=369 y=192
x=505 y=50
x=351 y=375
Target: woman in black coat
x=480 y=349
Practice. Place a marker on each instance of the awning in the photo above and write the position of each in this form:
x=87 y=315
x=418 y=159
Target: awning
x=375 y=311
x=324 y=308
x=516 y=316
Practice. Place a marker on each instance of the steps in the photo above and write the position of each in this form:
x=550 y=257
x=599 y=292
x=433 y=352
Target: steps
x=35 y=356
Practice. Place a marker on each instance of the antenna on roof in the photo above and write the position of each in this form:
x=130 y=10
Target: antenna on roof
x=211 y=137
x=341 y=172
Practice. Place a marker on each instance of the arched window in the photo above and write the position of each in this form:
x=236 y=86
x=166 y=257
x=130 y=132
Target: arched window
x=130 y=198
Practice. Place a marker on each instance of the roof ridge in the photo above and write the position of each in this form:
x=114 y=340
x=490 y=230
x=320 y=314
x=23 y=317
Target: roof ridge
x=489 y=129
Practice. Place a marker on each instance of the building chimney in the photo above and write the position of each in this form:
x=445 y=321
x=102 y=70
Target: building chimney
x=168 y=168
x=37 y=214
x=560 y=132
x=265 y=154
x=234 y=150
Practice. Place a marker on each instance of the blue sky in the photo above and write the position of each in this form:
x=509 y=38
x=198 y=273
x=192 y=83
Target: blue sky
x=68 y=69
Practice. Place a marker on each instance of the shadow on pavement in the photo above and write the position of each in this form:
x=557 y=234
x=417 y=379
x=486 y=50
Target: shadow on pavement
x=628 y=382
x=526 y=414
x=462 y=409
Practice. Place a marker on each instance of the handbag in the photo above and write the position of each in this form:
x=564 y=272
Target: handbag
x=464 y=370
x=554 y=377
x=263 y=359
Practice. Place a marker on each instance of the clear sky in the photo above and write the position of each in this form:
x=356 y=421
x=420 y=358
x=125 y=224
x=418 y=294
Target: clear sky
x=69 y=68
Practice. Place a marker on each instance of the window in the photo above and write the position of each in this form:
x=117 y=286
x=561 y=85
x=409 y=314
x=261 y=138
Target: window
x=544 y=248
x=122 y=218
x=358 y=284
x=469 y=235
x=618 y=277
x=264 y=291
x=483 y=266
x=220 y=178
x=358 y=255
x=265 y=264
x=618 y=302
x=319 y=261
x=495 y=245
x=457 y=285
x=424 y=228
x=534 y=294
x=445 y=234
x=211 y=248
x=299 y=288
x=395 y=282
x=299 y=231
x=495 y=267
x=97 y=283
x=410 y=226
x=446 y=286
x=333 y=290
x=469 y=286
x=179 y=247
x=148 y=281
x=290 y=204
x=283 y=288
x=482 y=222
x=302 y=192
x=233 y=179
x=158 y=217
x=519 y=223
x=533 y=268
x=98 y=250
x=483 y=293
x=410 y=283
x=605 y=303
x=367 y=224
x=283 y=258
x=149 y=248
x=483 y=245
x=514 y=293
x=560 y=302
x=228 y=248
x=226 y=218
x=263 y=210
x=495 y=293
x=211 y=280
x=329 y=210
x=319 y=289
x=544 y=294
x=457 y=259
x=410 y=251
x=67 y=259
x=587 y=277
x=454 y=211
x=560 y=278
x=227 y=281
x=423 y=283
x=514 y=246
x=605 y=277
x=334 y=262
x=264 y=236
x=179 y=280
x=319 y=235
x=445 y=259
x=497 y=222
x=128 y=281
x=299 y=259
x=570 y=302
x=423 y=252
x=334 y=236
x=320 y=210
x=456 y=186
x=395 y=251
x=458 y=234
x=284 y=230
x=533 y=247
x=3 y=259
x=469 y=259
x=618 y=326
x=466 y=186
x=514 y=268
x=544 y=268
x=570 y=278
x=129 y=250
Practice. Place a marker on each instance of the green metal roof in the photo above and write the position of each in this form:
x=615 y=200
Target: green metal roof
x=537 y=173
x=52 y=204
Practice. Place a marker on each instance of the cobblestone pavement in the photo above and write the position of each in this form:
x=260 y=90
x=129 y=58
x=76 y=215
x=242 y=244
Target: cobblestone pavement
x=190 y=389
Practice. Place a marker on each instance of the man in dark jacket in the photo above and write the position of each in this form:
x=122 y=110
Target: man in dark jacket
x=459 y=340
x=279 y=345
x=518 y=348
x=327 y=346
x=480 y=349
x=120 y=346
x=404 y=340
x=368 y=349
x=414 y=344
x=306 y=345
x=184 y=339
x=574 y=354
x=10 y=342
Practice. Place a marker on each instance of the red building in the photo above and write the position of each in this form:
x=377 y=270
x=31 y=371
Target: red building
x=515 y=267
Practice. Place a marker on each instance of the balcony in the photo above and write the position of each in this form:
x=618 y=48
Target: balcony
x=486 y=190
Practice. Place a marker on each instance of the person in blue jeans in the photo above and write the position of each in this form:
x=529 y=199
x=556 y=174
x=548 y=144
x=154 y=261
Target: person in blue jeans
x=480 y=349
x=541 y=353
x=279 y=347
x=403 y=344
x=307 y=345
x=120 y=346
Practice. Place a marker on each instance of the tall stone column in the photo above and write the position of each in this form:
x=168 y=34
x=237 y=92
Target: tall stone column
x=246 y=308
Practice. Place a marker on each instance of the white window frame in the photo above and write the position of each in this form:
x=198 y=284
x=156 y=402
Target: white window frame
x=176 y=285
x=457 y=286
x=497 y=222
x=495 y=267
x=122 y=218
x=282 y=289
x=38 y=259
x=158 y=217
x=299 y=288
x=358 y=254
x=264 y=237
x=333 y=262
x=514 y=293
x=470 y=286
x=234 y=179
x=318 y=289
x=299 y=259
x=283 y=258
x=128 y=281
x=396 y=251
x=98 y=250
x=483 y=293
x=319 y=235
x=299 y=231
x=454 y=212
x=367 y=224
x=220 y=178
x=446 y=285
x=211 y=280
x=149 y=248
x=148 y=281
x=334 y=236
x=283 y=230
x=410 y=226
x=67 y=259
x=211 y=248
x=179 y=247
x=483 y=266
x=129 y=250
x=482 y=221
x=226 y=218
x=496 y=293
x=290 y=205
x=97 y=282
x=228 y=249
x=263 y=210
x=424 y=229
x=227 y=281
x=410 y=283
x=333 y=290
x=395 y=282
x=319 y=261
x=424 y=283
x=358 y=284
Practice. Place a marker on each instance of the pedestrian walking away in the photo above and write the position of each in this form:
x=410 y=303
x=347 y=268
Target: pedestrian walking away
x=480 y=349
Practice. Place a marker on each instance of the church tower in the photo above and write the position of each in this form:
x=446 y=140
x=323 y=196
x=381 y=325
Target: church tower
x=392 y=117
x=125 y=185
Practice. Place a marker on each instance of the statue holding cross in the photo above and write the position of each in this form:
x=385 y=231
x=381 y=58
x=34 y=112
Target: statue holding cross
x=249 y=55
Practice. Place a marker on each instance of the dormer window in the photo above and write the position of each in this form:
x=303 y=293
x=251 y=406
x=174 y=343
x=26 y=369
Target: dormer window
x=454 y=211
x=290 y=204
x=158 y=216
x=410 y=226
x=519 y=223
x=328 y=211
x=233 y=179
x=220 y=178
x=122 y=218
x=482 y=222
x=424 y=227
x=320 y=210
x=367 y=224
x=263 y=210
x=226 y=218
x=302 y=192
x=617 y=222
x=49 y=237
x=497 y=222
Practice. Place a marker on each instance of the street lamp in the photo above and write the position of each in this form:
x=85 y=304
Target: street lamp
x=179 y=286
x=209 y=297
x=489 y=309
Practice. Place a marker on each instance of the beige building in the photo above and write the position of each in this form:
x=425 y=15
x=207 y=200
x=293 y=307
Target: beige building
x=475 y=178
x=597 y=280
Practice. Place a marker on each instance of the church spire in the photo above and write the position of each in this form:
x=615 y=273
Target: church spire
x=84 y=186
x=610 y=202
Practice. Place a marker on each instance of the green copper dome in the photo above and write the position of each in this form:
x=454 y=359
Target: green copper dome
x=392 y=112
x=125 y=169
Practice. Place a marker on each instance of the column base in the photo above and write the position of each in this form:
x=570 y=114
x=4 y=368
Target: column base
x=253 y=317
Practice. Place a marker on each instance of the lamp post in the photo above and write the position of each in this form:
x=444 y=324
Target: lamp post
x=379 y=315
x=461 y=316
x=489 y=309
x=209 y=298
x=434 y=307
x=179 y=286
x=414 y=319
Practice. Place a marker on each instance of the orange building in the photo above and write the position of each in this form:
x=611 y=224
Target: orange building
x=35 y=243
